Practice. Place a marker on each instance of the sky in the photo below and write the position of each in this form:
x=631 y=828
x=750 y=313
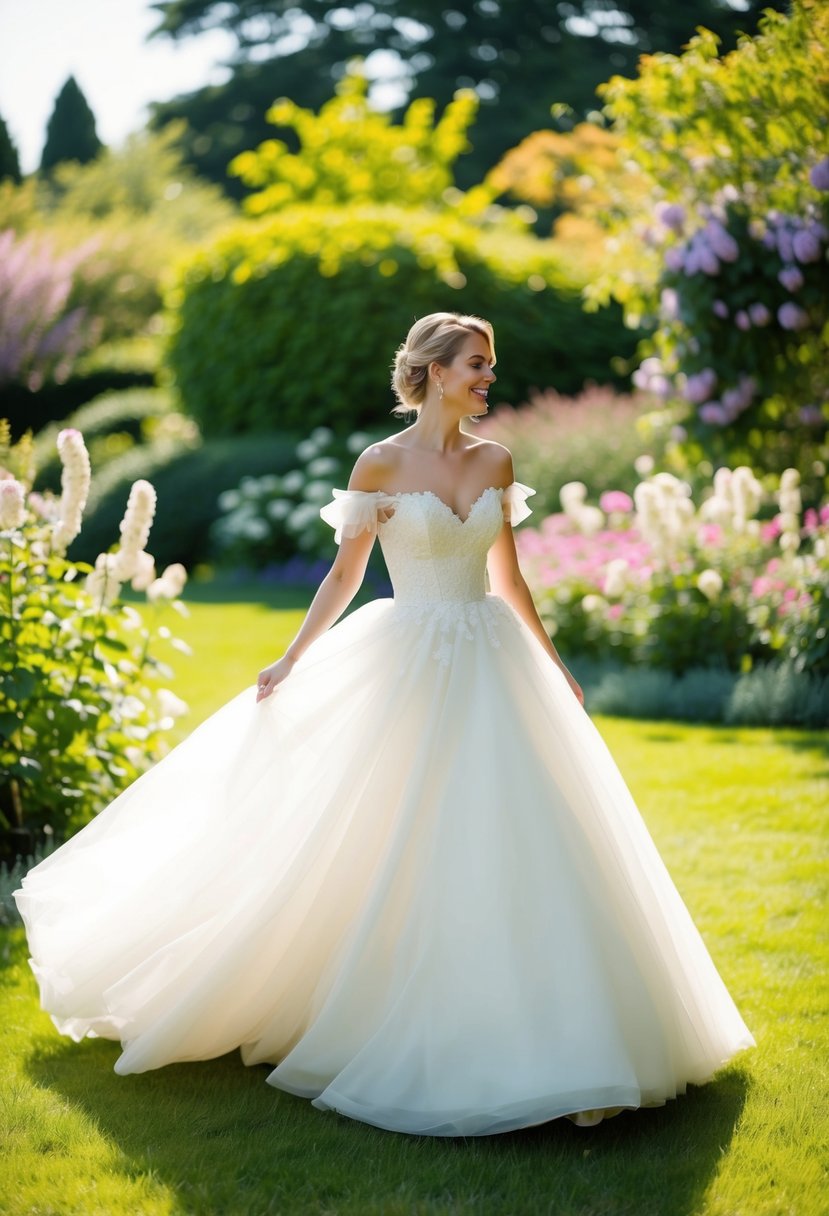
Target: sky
x=102 y=43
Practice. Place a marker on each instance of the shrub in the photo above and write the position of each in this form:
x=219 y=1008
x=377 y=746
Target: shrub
x=189 y=478
x=81 y=714
x=293 y=322
x=268 y=520
x=41 y=334
x=598 y=432
x=725 y=258
x=674 y=588
x=767 y=696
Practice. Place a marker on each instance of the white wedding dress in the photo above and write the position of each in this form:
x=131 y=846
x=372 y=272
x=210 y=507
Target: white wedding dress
x=413 y=879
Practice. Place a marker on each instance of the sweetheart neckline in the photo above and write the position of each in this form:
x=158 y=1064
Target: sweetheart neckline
x=431 y=494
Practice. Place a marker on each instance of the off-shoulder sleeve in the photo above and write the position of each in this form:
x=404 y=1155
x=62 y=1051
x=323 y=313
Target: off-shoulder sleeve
x=356 y=511
x=514 y=502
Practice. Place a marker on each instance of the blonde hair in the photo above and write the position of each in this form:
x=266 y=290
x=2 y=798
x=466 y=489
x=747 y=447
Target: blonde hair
x=436 y=338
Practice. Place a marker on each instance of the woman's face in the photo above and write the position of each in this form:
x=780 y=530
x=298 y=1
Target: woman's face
x=467 y=378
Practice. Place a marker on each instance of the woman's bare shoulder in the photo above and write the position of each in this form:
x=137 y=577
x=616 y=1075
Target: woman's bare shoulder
x=375 y=465
x=494 y=460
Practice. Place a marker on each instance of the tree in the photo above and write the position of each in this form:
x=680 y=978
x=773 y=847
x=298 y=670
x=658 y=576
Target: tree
x=9 y=163
x=520 y=56
x=70 y=132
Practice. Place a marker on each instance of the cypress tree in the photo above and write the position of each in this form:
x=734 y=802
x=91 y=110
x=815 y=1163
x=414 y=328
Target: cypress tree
x=70 y=132
x=9 y=162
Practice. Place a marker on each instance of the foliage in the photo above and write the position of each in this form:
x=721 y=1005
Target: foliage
x=351 y=153
x=34 y=409
x=135 y=208
x=604 y=435
x=362 y=274
x=729 y=270
x=70 y=132
x=675 y=588
x=41 y=333
x=113 y=423
x=769 y=695
x=9 y=161
x=269 y=519
x=189 y=477
x=520 y=56
x=81 y=714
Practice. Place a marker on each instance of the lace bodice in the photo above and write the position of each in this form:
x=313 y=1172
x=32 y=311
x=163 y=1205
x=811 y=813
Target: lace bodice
x=433 y=556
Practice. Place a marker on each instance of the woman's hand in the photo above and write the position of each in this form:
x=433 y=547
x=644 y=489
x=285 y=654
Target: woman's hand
x=271 y=677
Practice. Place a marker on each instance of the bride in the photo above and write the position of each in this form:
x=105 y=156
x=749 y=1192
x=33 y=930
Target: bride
x=407 y=873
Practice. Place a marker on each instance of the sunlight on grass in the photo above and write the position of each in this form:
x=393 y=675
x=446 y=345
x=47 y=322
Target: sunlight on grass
x=740 y=818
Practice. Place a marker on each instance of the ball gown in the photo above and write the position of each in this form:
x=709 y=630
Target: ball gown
x=413 y=880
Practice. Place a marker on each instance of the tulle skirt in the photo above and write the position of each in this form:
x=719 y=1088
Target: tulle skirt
x=413 y=880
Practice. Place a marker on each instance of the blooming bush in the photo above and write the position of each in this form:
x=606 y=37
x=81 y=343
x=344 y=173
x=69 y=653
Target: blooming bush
x=41 y=333
x=270 y=519
x=724 y=258
x=81 y=710
x=662 y=583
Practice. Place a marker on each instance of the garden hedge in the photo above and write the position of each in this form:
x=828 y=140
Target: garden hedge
x=291 y=322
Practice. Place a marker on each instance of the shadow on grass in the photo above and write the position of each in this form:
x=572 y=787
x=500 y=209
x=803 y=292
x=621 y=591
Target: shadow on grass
x=222 y=1141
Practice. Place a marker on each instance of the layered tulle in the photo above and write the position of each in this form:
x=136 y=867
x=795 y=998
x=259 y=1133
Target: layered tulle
x=413 y=880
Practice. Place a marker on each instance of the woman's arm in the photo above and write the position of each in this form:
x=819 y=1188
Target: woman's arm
x=338 y=588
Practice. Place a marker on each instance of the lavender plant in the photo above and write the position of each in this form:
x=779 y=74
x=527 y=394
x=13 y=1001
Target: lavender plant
x=41 y=334
x=82 y=712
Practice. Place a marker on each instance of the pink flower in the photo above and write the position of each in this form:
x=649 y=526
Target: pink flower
x=791 y=278
x=806 y=246
x=792 y=316
x=616 y=501
x=713 y=414
x=669 y=302
x=824 y=514
x=675 y=258
x=671 y=215
x=742 y=320
x=615 y=611
x=769 y=531
x=710 y=534
x=721 y=241
x=810 y=520
x=759 y=314
x=819 y=174
x=810 y=415
x=720 y=308
x=701 y=385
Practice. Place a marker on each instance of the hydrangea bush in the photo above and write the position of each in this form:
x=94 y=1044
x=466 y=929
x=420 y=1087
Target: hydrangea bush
x=267 y=521
x=82 y=712
x=656 y=581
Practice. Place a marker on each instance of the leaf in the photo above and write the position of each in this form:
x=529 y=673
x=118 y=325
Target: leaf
x=18 y=684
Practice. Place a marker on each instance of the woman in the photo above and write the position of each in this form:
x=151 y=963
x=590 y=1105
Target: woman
x=410 y=875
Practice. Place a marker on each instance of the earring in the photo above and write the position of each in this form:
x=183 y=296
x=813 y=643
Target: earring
x=440 y=390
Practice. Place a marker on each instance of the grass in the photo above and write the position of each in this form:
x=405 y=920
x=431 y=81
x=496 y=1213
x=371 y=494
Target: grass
x=740 y=817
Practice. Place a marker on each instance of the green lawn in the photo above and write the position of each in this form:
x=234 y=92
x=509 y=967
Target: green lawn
x=740 y=817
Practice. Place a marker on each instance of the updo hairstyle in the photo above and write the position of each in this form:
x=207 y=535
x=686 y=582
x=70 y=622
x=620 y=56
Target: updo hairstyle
x=436 y=338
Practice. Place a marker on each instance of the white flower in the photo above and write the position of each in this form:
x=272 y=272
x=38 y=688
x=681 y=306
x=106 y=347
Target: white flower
x=589 y=520
x=103 y=584
x=710 y=584
x=255 y=529
x=12 y=505
x=593 y=603
x=170 y=585
x=572 y=495
x=323 y=466
x=144 y=571
x=170 y=705
x=307 y=450
x=615 y=578
x=229 y=500
x=75 y=479
x=356 y=442
x=293 y=482
x=322 y=435
x=135 y=527
x=278 y=509
x=643 y=465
